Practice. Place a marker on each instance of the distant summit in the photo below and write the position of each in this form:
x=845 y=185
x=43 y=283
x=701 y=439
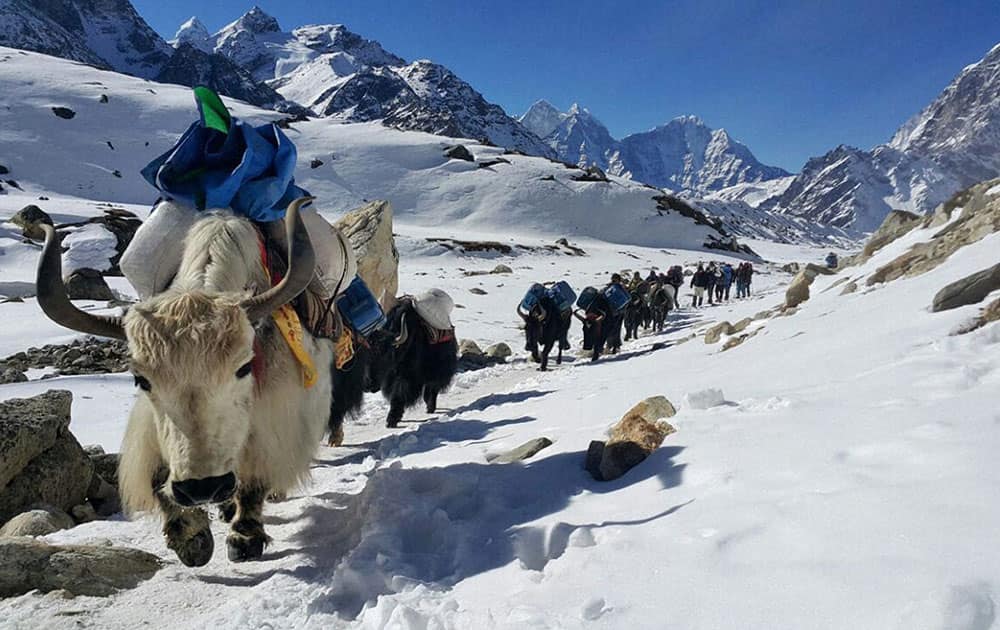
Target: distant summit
x=683 y=154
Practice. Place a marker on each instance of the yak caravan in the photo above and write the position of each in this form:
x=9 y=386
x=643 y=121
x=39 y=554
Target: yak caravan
x=415 y=363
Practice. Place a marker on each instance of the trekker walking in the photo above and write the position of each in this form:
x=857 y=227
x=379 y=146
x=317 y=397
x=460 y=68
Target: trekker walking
x=727 y=279
x=699 y=282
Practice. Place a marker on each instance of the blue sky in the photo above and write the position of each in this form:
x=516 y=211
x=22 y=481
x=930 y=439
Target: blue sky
x=790 y=78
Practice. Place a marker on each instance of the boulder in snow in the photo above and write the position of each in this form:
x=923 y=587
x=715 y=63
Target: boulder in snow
x=713 y=334
x=88 y=284
x=969 y=290
x=459 y=152
x=798 y=291
x=499 y=351
x=42 y=462
x=640 y=431
x=40 y=521
x=27 y=565
x=522 y=452
x=29 y=219
x=64 y=112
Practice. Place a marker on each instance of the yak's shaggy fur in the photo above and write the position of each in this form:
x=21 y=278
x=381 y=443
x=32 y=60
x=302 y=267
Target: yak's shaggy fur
x=203 y=415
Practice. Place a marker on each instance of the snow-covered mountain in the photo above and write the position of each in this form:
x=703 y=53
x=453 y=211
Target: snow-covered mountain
x=541 y=118
x=951 y=144
x=581 y=139
x=111 y=34
x=106 y=33
x=340 y=74
x=684 y=154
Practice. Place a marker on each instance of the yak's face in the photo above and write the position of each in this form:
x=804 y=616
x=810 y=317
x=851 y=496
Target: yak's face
x=192 y=358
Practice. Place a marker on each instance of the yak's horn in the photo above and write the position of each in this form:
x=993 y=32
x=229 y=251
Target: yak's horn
x=403 y=333
x=55 y=303
x=301 y=268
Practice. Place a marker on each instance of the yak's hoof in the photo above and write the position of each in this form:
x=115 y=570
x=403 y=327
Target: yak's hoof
x=227 y=511
x=535 y=359
x=196 y=551
x=431 y=408
x=542 y=368
x=242 y=549
x=392 y=424
x=336 y=437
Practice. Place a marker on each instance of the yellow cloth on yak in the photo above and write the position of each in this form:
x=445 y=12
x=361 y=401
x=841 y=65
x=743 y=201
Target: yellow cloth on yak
x=287 y=321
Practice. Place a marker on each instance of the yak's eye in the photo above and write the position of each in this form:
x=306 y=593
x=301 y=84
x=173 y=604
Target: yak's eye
x=245 y=369
x=142 y=383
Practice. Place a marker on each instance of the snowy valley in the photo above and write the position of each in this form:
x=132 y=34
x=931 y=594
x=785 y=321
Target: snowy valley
x=836 y=431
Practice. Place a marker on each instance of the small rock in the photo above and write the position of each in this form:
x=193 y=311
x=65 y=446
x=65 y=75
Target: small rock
x=10 y=375
x=63 y=112
x=763 y=315
x=713 y=334
x=459 y=152
x=522 y=452
x=106 y=465
x=477 y=291
x=4 y=170
x=29 y=218
x=88 y=284
x=315 y=163
x=741 y=325
x=502 y=269
x=468 y=347
x=27 y=565
x=849 y=288
x=103 y=98
x=500 y=351
x=41 y=521
x=83 y=513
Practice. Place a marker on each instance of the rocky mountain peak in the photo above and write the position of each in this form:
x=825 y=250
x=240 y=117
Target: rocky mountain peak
x=258 y=22
x=541 y=118
x=194 y=33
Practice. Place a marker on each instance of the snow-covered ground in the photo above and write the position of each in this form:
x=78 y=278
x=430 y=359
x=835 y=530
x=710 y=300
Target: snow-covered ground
x=845 y=477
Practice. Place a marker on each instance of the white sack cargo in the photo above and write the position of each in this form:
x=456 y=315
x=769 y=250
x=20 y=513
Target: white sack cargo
x=154 y=255
x=435 y=307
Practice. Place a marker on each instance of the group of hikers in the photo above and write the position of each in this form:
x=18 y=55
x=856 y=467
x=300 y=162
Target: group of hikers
x=717 y=280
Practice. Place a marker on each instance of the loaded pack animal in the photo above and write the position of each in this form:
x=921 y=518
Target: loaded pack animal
x=545 y=326
x=661 y=301
x=637 y=312
x=412 y=359
x=223 y=413
x=601 y=326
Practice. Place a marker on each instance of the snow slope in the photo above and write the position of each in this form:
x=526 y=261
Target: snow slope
x=97 y=155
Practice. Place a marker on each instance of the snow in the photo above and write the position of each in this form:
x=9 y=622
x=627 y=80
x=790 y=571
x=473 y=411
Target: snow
x=846 y=478
x=89 y=247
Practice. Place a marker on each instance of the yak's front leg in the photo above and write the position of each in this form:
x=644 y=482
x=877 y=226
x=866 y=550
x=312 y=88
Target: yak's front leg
x=246 y=540
x=187 y=530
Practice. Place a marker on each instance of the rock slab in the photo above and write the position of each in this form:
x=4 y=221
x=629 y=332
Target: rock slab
x=640 y=432
x=369 y=229
x=27 y=564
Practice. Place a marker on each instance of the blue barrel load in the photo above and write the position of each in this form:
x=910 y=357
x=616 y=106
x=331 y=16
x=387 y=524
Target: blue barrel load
x=587 y=297
x=617 y=296
x=359 y=307
x=535 y=293
x=562 y=294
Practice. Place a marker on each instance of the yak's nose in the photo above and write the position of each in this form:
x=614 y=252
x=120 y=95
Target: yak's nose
x=208 y=490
